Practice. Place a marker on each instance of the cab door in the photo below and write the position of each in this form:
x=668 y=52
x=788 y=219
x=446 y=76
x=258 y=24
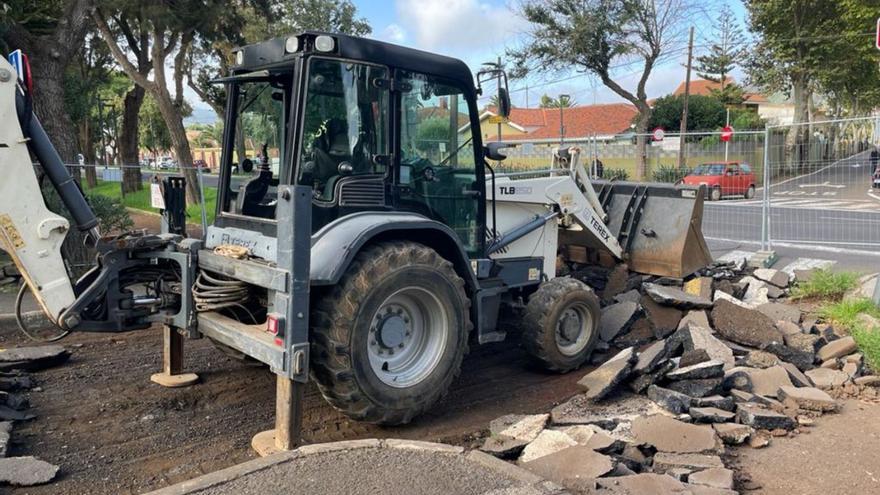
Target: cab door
x=437 y=171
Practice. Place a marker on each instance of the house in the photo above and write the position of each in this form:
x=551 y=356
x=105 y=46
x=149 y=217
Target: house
x=776 y=108
x=605 y=122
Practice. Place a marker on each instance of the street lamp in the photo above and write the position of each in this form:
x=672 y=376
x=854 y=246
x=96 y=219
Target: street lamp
x=562 y=117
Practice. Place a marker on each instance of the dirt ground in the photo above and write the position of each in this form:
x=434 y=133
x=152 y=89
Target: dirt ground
x=113 y=431
x=839 y=455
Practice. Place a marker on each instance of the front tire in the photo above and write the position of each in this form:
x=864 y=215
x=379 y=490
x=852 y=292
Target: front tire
x=388 y=340
x=715 y=194
x=562 y=324
x=750 y=192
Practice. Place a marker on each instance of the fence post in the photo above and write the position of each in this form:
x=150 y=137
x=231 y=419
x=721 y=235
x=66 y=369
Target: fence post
x=765 y=203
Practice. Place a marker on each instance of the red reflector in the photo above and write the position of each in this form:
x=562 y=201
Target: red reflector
x=272 y=325
x=28 y=77
x=279 y=342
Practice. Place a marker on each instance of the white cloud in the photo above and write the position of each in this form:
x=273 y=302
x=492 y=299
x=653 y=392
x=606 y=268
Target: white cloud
x=444 y=25
x=393 y=33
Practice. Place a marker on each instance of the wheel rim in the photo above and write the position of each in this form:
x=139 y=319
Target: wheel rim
x=574 y=329
x=407 y=337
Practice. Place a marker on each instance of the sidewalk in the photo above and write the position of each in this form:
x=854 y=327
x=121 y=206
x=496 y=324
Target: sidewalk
x=369 y=467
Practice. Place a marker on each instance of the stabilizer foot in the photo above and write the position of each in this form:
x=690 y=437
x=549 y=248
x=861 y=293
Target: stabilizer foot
x=175 y=381
x=263 y=443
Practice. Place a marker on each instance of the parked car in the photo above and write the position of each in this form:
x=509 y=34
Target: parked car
x=875 y=183
x=723 y=179
x=203 y=165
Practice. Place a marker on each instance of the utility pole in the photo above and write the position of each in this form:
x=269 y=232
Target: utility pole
x=103 y=143
x=682 y=158
x=498 y=78
x=562 y=118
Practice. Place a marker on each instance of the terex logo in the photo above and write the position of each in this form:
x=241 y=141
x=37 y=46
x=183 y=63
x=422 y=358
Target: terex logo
x=599 y=228
x=236 y=241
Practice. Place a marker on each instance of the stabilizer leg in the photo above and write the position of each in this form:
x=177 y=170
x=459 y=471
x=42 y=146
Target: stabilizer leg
x=172 y=362
x=287 y=434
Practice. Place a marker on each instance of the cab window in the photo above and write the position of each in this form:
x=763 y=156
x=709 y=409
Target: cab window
x=438 y=173
x=345 y=124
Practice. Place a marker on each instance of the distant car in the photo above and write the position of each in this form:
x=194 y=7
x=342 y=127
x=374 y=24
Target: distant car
x=876 y=181
x=202 y=164
x=723 y=179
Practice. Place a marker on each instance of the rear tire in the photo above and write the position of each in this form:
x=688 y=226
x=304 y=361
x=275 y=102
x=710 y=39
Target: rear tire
x=562 y=324
x=389 y=338
x=715 y=194
x=750 y=192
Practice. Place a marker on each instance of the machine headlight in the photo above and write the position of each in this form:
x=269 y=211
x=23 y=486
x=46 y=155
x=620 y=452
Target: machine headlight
x=291 y=45
x=239 y=57
x=324 y=43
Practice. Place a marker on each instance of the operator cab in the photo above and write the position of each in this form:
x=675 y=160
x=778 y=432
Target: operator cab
x=368 y=126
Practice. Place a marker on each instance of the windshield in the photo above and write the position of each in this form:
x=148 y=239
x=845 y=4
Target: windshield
x=258 y=154
x=709 y=169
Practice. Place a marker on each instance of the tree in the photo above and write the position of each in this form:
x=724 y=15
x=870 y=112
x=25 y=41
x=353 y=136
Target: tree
x=171 y=29
x=564 y=101
x=51 y=33
x=599 y=36
x=725 y=53
x=704 y=113
x=153 y=133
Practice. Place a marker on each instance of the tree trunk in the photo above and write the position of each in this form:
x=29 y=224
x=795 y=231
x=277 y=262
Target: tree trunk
x=131 y=171
x=48 y=74
x=642 y=143
x=171 y=116
x=86 y=145
x=795 y=139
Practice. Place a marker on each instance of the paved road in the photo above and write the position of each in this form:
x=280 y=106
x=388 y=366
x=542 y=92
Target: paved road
x=830 y=209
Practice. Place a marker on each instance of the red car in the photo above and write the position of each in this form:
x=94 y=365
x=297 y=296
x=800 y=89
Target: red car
x=723 y=179
x=202 y=165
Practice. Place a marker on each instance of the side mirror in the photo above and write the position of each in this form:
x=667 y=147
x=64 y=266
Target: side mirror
x=492 y=150
x=503 y=102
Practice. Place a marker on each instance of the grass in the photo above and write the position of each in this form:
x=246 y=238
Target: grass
x=140 y=200
x=825 y=284
x=845 y=315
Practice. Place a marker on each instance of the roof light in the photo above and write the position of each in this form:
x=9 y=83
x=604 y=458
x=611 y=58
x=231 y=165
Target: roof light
x=324 y=43
x=291 y=44
x=239 y=57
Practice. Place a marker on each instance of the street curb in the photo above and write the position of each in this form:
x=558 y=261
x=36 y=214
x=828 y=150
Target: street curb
x=237 y=471
x=31 y=319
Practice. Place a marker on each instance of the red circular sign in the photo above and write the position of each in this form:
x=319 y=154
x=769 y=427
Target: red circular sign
x=658 y=134
x=726 y=133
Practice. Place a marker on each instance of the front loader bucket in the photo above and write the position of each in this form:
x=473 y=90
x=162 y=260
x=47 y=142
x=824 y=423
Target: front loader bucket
x=658 y=225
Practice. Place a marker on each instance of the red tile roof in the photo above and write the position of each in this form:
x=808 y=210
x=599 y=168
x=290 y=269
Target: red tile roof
x=580 y=121
x=701 y=87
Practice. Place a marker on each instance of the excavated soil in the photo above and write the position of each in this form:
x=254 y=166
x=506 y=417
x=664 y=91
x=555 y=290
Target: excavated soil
x=111 y=430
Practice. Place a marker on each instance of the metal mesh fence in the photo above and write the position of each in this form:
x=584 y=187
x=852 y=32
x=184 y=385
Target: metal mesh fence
x=823 y=192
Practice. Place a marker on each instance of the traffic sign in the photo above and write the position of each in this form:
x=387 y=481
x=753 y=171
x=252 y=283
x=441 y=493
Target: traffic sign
x=726 y=133
x=497 y=119
x=658 y=134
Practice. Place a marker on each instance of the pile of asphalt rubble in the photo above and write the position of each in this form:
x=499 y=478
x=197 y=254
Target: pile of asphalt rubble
x=16 y=384
x=688 y=369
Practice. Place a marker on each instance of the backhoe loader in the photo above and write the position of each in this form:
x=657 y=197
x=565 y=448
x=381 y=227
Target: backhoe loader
x=369 y=247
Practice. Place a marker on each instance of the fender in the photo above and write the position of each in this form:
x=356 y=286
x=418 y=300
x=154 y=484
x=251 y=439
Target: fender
x=337 y=243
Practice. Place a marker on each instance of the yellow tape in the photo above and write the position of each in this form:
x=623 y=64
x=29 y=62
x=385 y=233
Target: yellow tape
x=11 y=232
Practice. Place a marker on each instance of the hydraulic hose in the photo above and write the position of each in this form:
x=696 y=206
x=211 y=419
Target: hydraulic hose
x=20 y=320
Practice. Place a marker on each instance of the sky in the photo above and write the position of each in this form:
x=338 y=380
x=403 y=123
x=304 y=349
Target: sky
x=477 y=31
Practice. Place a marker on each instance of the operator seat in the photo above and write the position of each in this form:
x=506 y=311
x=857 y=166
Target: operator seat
x=330 y=149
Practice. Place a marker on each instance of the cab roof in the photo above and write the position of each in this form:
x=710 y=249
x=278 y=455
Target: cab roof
x=271 y=53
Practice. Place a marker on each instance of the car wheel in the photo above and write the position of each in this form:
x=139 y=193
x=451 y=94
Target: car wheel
x=750 y=192
x=715 y=194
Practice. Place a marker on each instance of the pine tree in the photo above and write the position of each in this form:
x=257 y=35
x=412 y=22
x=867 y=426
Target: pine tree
x=725 y=53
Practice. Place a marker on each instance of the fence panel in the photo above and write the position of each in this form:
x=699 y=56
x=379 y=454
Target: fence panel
x=821 y=192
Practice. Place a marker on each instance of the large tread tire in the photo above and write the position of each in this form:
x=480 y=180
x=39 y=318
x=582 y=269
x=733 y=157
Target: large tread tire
x=543 y=311
x=341 y=325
